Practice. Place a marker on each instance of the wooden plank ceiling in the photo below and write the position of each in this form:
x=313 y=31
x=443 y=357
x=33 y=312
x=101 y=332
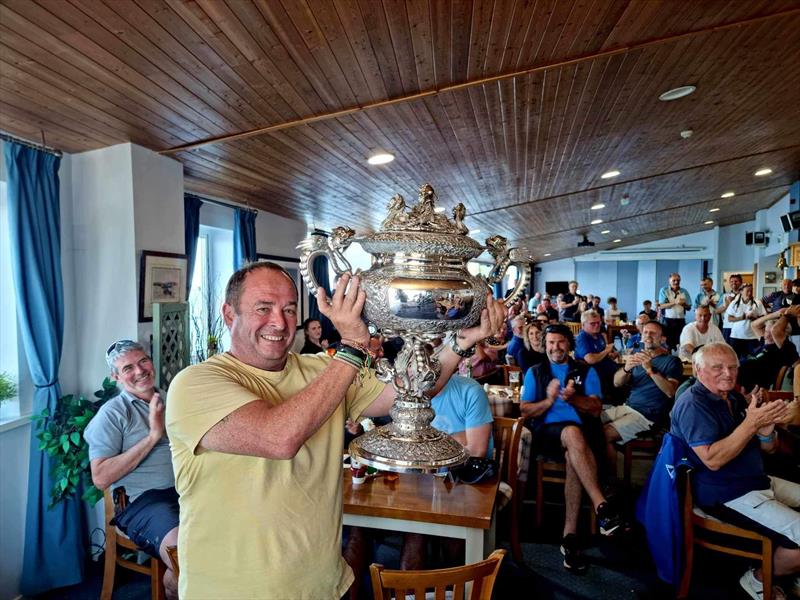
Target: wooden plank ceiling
x=514 y=107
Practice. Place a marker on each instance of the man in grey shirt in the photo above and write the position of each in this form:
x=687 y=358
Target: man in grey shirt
x=128 y=447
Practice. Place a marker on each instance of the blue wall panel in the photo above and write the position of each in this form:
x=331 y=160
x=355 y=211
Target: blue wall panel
x=627 y=279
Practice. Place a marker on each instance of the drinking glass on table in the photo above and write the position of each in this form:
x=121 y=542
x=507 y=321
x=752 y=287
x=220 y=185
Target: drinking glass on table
x=514 y=382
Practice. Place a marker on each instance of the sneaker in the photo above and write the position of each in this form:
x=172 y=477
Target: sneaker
x=608 y=519
x=755 y=589
x=574 y=560
x=796 y=587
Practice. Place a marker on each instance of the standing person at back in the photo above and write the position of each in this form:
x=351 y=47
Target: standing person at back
x=707 y=296
x=568 y=303
x=740 y=314
x=734 y=289
x=673 y=300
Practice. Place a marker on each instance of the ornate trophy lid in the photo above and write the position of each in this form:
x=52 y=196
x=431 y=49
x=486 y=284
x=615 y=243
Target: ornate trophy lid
x=429 y=232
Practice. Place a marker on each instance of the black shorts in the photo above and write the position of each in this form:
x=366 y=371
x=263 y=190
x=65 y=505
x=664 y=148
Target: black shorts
x=149 y=518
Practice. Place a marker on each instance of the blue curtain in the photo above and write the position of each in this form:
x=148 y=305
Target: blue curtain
x=321 y=273
x=244 y=237
x=191 y=229
x=55 y=538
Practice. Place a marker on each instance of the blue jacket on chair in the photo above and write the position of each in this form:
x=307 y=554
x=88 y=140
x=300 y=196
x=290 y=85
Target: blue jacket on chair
x=658 y=508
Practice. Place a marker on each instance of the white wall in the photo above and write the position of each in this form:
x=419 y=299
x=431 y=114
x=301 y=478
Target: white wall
x=555 y=270
x=277 y=235
x=15 y=452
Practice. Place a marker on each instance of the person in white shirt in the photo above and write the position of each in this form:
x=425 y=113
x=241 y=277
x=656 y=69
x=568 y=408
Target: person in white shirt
x=673 y=300
x=734 y=289
x=741 y=313
x=699 y=333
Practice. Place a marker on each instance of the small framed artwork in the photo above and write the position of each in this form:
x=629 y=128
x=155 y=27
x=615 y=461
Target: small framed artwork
x=162 y=278
x=770 y=277
x=769 y=289
x=292 y=266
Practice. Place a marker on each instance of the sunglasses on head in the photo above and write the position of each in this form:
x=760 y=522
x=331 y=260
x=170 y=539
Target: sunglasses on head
x=115 y=346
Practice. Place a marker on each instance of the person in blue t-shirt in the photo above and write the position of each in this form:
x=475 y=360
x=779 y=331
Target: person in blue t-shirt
x=727 y=433
x=517 y=344
x=557 y=393
x=653 y=376
x=462 y=410
x=590 y=346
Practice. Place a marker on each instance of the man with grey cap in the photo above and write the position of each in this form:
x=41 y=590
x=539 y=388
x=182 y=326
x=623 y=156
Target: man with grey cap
x=128 y=448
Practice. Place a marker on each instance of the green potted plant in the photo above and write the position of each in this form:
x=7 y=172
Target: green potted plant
x=61 y=436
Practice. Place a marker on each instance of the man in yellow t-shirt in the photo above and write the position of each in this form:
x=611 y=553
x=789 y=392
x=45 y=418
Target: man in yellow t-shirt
x=257 y=435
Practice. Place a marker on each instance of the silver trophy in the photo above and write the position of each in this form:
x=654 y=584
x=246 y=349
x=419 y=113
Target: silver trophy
x=418 y=288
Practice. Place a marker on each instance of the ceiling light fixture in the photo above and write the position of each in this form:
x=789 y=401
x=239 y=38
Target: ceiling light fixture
x=617 y=241
x=678 y=92
x=597 y=221
x=762 y=172
x=605 y=231
x=728 y=195
x=713 y=210
x=380 y=158
x=609 y=174
x=598 y=206
x=708 y=223
x=547 y=254
x=687 y=133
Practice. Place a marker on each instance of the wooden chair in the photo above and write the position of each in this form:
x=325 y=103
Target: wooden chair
x=575 y=328
x=507 y=434
x=116 y=544
x=644 y=447
x=779 y=378
x=550 y=471
x=387 y=584
x=695 y=522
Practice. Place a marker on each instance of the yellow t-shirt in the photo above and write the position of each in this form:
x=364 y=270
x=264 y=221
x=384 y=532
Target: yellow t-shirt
x=254 y=527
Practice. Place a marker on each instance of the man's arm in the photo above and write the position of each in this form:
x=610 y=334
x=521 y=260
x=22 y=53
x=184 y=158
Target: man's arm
x=106 y=471
x=475 y=439
x=758 y=420
x=596 y=357
x=538 y=408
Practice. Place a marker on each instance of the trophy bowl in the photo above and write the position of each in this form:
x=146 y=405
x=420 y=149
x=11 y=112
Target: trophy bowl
x=419 y=289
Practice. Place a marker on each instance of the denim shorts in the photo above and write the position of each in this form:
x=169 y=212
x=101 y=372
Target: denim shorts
x=149 y=518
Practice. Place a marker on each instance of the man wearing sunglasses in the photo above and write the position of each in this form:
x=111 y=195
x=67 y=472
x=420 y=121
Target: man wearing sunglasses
x=562 y=403
x=128 y=448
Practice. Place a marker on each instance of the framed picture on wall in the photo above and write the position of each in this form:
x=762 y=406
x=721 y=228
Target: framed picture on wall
x=770 y=277
x=162 y=278
x=292 y=266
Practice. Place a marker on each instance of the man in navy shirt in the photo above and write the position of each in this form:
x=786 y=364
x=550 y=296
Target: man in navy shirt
x=728 y=433
x=517 y=344
x=653 y=376
x=557 y=393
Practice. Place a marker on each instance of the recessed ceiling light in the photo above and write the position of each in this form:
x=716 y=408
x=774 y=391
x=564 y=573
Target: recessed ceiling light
x=380 y=158
x=547 y=254
x=597 y=221
x=728 y=195
x=708 y=223
x=439 y=209
x=605 y=231
x=678 y=92
x=609 y=174
x=762 y=172
x=617 y=241
x=713 y=210
x=598 y=206
x=474 y=231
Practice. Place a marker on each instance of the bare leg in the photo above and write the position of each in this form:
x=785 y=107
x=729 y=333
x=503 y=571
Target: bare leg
x=170 y=579
x=580 y=457
x=612 y=435
x=355 y=554
x=572 y=499
x=785 y=562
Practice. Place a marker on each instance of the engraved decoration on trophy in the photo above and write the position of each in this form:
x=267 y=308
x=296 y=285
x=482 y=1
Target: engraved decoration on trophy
x=418 y=288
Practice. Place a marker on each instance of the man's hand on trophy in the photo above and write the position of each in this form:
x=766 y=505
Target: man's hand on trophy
x=344 y=310
x=493 y=317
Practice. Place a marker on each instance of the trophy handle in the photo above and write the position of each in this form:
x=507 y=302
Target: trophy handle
x=332 y=246
x=504 y=257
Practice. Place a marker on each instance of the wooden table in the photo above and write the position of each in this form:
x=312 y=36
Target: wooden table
x=425 y=504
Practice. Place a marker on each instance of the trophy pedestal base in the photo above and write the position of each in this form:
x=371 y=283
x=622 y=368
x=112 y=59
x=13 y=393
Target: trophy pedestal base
x=427 y=450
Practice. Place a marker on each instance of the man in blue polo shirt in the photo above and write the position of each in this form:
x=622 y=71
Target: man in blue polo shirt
x=129 y=448
x=590 y=346
x=653 y=376
x=560 y=396
x=727 y=433
x=517 y=345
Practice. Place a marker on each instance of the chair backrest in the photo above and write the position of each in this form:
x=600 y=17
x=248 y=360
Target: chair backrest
x=575 y=328
x=780 y=377
x=387 y=584
x=507 y=434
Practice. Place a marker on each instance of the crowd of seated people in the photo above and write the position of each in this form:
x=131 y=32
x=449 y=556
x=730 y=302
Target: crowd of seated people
x=581 y=399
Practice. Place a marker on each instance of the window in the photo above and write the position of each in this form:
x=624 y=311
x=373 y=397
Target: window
x=9 y=340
